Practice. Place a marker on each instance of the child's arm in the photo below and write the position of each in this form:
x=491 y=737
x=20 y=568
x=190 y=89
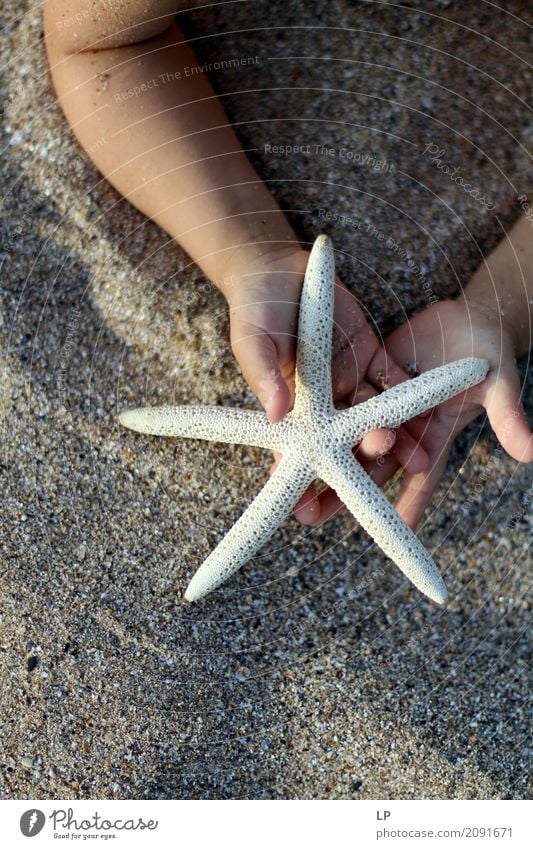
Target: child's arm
x=133 y=94
x=492 y=318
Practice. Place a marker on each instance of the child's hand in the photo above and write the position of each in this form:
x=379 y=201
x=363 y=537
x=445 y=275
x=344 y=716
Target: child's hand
x=444 y=332
x=449 y=331
x=263 y=302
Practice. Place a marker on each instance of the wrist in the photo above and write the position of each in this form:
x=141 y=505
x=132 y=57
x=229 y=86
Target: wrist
x=509 y=315
x=251 y=257
x=241 y=225
x=235 y=252
x=245 y=264
x=502 y=287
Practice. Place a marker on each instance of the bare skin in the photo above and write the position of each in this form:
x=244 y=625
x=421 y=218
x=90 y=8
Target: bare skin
x=491 y=319
x=158 y=133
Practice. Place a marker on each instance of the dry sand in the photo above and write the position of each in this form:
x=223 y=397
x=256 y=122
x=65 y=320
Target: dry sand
x=318 y=672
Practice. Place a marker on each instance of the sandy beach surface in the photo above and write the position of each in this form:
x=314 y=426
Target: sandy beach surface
x=318 y=672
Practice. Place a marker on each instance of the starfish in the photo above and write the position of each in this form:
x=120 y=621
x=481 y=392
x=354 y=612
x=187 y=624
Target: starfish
x=316 y=440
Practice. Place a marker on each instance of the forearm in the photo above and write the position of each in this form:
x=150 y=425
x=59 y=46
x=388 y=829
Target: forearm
x=159 y=134
x=502 y=286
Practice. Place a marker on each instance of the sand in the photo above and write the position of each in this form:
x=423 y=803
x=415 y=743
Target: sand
x=318 y=672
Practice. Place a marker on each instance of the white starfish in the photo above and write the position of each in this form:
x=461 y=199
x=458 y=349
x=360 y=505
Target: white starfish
x=316 y=440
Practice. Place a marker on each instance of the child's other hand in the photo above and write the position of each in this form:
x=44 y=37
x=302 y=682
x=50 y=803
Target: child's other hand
x=263 y=302
x=440 y=334
x=449 y=331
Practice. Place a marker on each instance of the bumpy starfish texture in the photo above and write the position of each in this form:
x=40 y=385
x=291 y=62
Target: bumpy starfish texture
x=316 y=440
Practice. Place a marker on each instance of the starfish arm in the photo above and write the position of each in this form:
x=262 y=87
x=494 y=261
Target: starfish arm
x=378 y=517
x=409 y=399
x=255 y=526
x=219 y=424
x=315 y=327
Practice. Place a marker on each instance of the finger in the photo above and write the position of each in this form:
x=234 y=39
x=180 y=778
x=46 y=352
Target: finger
x=329 y=505
x=359 y=394
x=307 y=509
x=506 y=416
x=257 y=356
x=416 y=490
x=383 y=372
x=381 y=469
x=409 y=452
x=376 y=444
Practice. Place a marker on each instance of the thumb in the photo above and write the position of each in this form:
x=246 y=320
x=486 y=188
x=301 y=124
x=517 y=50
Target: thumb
x=256 y=353
x=502 y=402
